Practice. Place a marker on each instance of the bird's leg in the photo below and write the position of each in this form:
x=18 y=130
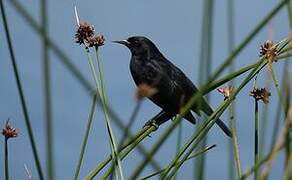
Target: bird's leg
x=151 y=122
x=159 y=119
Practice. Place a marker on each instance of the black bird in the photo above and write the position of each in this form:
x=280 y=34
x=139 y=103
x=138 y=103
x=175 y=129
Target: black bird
x=174 y=88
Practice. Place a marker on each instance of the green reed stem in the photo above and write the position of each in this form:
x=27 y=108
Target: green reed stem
x=189 y=158
x=179 y=139
x=204 y=71
x=258 y=164
x=155 y=148
x=6 y=175
x=233 y=145
x=256 y=138
x=21 y=94
x=248 y=38
x=279 y=105
x=131 y=121
x=47 y=93
x=86 y=135
x=235 y=142
x=124 y=136
x=128 y=147
x=101 y=89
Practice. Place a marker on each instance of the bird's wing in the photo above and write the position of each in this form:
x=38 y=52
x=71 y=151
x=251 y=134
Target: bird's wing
x=170 y=92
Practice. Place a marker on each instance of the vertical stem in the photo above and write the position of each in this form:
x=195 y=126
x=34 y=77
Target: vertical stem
x=179 y=139
x=124 y=136
x=235 y=143
x=6 y=159
x=256 y=156
x=232 y=144
x=130 y=123
x=116 y=160
x=204 y=71
x=263 y=124
x=21 y=94
x=85 y=139
x=47 y=93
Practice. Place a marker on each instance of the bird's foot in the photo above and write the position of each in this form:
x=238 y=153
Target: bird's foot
x=151 y=123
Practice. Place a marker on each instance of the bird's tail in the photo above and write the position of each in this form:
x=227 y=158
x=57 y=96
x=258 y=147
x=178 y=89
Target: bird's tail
x=204 y=106
x=224 y=127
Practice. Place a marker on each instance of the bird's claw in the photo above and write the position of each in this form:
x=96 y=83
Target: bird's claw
x=151 y=123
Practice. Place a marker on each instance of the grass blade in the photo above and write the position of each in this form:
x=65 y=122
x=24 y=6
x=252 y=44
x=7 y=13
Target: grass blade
x=21 y=94
x=47 y=93
x=85 y=138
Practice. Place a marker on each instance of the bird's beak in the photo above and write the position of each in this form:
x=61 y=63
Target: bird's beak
x=124 y=42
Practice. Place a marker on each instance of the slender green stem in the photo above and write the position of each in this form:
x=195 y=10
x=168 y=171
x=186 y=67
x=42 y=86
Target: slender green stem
x=21 y=94
x=6 y=159
x=179 y=139
x=200 y=135
x=256 y=137
x=116 y=159
x=128 y=147
x=279 y=105
x=288 y=170
x=189 y=158
x=99 y=87
x=276 y=83
x=235 y=142
x=263 y=125
x=47 y=93
x=259 y=164
x=124 y=136
x=204 y=71
x=231 y=150
x=287 y=55
x=232 y=144
x=215 y=84
x=155 y=148
x=86 y=135
x=249 y=37
x=131 y=122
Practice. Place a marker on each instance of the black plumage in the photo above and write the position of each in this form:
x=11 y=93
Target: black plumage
x=149 y=66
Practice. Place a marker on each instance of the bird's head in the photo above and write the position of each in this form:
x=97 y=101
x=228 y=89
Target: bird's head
x=140 y=46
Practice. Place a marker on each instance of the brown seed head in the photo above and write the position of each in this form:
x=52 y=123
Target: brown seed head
x=226 y=91
x=9 y=131
x=84 y=32
x=269 y=51
x=260 y=94
x=96 y=41
x=145 y=90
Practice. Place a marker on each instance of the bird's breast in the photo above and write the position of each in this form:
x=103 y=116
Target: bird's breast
x=143 y=72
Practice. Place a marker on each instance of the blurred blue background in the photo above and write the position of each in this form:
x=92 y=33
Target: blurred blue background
x=175 y=26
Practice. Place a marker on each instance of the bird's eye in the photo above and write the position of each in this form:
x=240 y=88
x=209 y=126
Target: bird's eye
x=136 y=43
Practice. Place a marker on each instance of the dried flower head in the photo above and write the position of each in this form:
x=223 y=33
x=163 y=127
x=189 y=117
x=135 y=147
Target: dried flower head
x=260 y=94
x=96 y=41
x=9 y=131
x=269 y=51
x=145 y=90
x=84 y=32
x=226 y=91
